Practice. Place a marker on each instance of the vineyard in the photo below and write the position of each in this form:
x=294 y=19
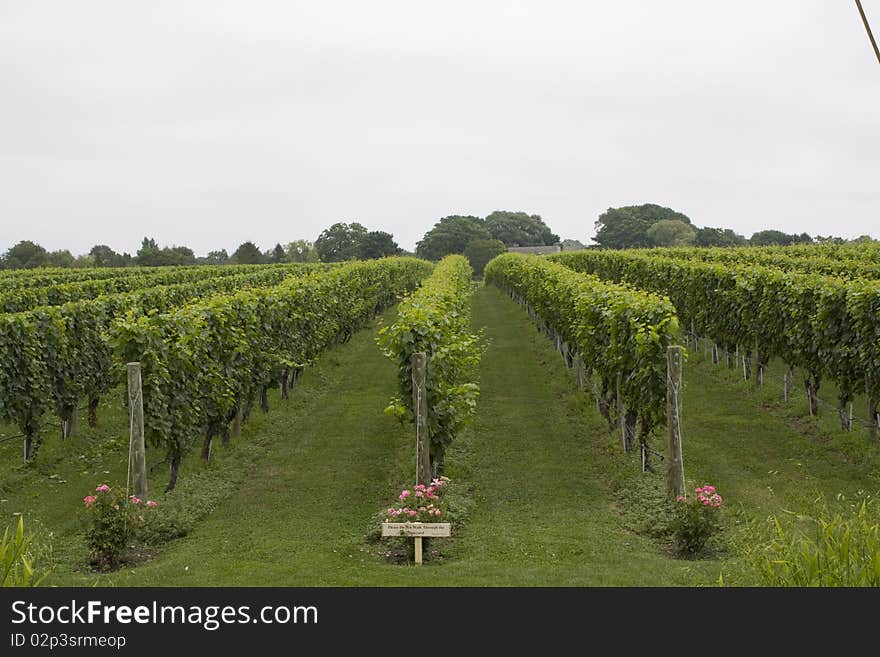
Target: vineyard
x=826 y=324
x=544 y=392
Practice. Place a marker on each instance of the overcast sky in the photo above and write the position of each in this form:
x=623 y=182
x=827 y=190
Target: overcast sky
x=208 y=123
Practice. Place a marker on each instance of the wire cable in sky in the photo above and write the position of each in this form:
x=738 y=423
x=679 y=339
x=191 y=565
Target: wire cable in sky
x=868 y=29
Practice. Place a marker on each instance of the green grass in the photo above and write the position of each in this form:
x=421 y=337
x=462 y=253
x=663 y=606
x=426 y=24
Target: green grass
x=552 y=499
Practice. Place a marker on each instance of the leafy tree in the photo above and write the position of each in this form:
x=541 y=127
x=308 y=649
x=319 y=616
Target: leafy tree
x=301 y=251
x=573 y=245
x=84 y=261
x=62 y=258
x=778 y=238
x=340 y=242
x=179 y=255
x=278 y=254
x=217 y=257
x=707 y=236
x=831 y=239
x=104 y=256
x=149 y=254
x=519 y=229
x=377 y=244
x=671 y=232
x=25 y=255
x=480 y=252
x=627 y=227
x=247 y=254
x=451 y=234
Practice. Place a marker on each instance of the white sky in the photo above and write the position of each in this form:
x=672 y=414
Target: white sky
x=209 y=122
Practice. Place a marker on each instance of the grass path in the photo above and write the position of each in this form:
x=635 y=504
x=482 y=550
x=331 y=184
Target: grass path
x=542 y=516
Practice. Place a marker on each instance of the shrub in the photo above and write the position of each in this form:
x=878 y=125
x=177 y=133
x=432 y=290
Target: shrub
x=696 y=520
x=113 y=521
x=420 y=504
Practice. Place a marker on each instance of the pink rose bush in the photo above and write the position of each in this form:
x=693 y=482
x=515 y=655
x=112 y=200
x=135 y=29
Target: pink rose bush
x=112 y=522
x=696 y=520
x=427 y=504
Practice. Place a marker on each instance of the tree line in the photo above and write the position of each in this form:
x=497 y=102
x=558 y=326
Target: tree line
x=479 y=238
x=338 y=243
x=650 y=225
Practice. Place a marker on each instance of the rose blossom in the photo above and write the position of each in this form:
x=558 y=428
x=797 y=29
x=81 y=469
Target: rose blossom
x=102 y=488
x=89 y=500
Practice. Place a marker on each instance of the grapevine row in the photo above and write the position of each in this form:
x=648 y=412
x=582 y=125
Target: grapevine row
x=28 y=298
x=817 y=260
x=826 y=325
x=205 y=363
x=620 y=333
x=435 y=320
x=43 y=276
x=53 y=357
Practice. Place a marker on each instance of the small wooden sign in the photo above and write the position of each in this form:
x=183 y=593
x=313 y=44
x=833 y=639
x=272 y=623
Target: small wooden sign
x=417 y=531
x=426 y=529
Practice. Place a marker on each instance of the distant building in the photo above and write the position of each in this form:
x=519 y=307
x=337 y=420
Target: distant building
x=535 y=250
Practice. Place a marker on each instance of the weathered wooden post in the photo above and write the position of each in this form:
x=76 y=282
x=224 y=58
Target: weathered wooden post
x=419 y=362
x=674 y=460
x=621 y=420
x=68 y=422
x=136 y=453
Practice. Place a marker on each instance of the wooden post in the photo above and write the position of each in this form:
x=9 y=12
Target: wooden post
x=418 y=546
x=136 y=452
x=714 y=354
x=620 y=414
x=68 y=422
x=285 y=380
x=580 y=372
x=419 y=363
x=417 y=531
x=674 y=461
